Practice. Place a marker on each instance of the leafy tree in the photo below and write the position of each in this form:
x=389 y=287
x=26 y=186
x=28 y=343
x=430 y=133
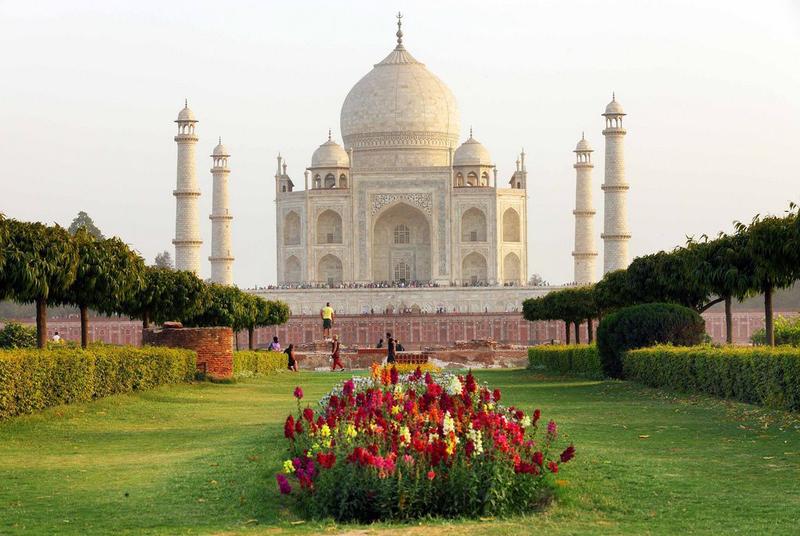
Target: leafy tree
x=164 y=260
x=771 y=244
x=536 y=280
x=571 y=305
x=40 y=265
x=669 y=277
x=612 y=292
x=84 y=221
x=725 y=269
x=224 y=306
x=167 y=295
x=267 y=313
x=109 y=274
x=15 y=335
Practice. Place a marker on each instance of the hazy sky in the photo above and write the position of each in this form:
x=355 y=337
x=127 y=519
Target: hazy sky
x=89 y=92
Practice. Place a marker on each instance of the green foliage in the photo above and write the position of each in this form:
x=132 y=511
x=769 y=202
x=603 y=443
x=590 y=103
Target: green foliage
x=668 y=277
x=578 y=360
x=572 y=304
x=167 y=295
x=612 y=292
x=247 y=364
x=164 y=260
x=31 y=380
x=224 y=306
x=84 y=222
x=15 y=335
x=766 y=376
x=644 y=325
x=787 y=332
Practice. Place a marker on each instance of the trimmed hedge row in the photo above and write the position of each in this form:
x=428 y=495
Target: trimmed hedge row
x=761 y=375
x=31 y=379
x=251 y=363
x=580 y=360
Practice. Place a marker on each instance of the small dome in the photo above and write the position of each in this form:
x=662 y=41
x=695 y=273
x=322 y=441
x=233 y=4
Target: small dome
x=583 y=145
x=472 y=153
x=220 y=150
x=614 y=108
x=186 y=114
x=330 y=154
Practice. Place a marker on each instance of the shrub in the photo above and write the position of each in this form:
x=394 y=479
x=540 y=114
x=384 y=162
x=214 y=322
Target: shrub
x=31 y=380
x=767 y=376
x=417 y=446
x=15 y=335
x=645 y=325
x=580 y=360
x=376 y=369
x=250 y=363
x=787 y=332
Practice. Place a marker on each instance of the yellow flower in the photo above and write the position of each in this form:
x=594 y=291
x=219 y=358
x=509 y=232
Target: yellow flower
x=350 y=431
x=288 y=467
x=325 y=431
x=395 y=410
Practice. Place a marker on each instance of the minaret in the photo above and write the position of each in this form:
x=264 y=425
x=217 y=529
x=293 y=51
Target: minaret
x=221 y=258
x=187 y=196
x=585 y=253
x=615 y=231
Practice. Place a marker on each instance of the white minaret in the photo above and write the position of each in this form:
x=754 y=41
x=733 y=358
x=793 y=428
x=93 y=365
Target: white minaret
x=187 y=196
x=615 y=231
x=585 y=253
x=221 y=258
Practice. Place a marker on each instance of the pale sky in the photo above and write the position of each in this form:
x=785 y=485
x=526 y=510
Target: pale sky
x=89 y=92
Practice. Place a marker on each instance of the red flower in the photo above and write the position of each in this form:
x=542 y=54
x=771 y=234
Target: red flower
x=538 y=458
x=393 y=376
x=288 y=428
x=471 y=385
x=298 y=427
x=298 y=393
x=431 y=475
x=568 y=454
x=496 y=395
x=326 y=460
x=348 y=387
x=553 y=466
x=308 y=414
x=536 y=416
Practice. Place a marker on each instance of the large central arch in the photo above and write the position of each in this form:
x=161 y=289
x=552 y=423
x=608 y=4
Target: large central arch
x=401 y=235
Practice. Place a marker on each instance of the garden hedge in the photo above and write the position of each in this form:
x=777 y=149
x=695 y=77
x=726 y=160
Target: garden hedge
x=761 y=375
x=645 y=325
x=251 y=363
x=579 y=359
x=32 y=379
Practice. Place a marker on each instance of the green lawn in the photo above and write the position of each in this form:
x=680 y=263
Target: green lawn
x=200 y=459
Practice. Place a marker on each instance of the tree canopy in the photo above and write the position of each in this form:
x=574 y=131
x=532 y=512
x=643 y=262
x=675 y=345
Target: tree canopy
x=84 y=221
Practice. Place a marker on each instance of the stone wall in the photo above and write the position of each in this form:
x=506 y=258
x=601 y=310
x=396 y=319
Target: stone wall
x=214 y=346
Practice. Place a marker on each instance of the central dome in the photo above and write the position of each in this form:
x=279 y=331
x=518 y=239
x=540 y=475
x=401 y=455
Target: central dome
x=400 y=103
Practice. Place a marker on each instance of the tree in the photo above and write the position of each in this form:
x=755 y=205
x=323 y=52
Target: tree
x=224 y=306
x=167 y=295
x=536 y=280
x=84 y=221
x=108 y=275
x=164 y=260
x=612 y=292
x=725 y=269
x=669 y=277
x=571 y=305
x=268 y=313
x=772 y=246
x=40 y=265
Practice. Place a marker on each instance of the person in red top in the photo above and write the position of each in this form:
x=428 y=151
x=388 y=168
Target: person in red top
x=335 y=356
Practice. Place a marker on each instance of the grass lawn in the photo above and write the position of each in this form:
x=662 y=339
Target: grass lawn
x=200 y=459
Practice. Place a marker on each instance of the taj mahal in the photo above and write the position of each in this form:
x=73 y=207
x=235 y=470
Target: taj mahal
x=402 y=213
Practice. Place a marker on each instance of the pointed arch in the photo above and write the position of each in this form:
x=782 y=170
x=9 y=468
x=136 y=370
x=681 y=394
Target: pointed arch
x=291 y=229
x=511 y=226
x=329 y=227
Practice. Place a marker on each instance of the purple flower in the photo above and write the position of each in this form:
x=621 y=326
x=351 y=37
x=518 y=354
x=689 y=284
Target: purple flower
x=298 y=393
x=283 y=484
x=552 y=429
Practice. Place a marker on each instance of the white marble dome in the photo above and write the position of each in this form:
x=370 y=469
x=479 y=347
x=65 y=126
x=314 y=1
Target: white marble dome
x=614 y=108
x=186 y=114
x=220 y=150
x=583 y=146
x=400 y=103
x=472 y=153
x=330 y=154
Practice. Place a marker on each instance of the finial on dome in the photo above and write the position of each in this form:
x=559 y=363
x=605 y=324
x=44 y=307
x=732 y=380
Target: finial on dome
x=470 y=131
x=329 y=134
x=185 y=102
x=220 y=140
x=399 y=33
x=583 y=137
x=613 y=96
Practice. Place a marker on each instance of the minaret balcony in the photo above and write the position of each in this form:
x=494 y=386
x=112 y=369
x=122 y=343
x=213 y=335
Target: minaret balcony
x=615 y=187
x=186 y=193
x=186 y=138
x=614 y=131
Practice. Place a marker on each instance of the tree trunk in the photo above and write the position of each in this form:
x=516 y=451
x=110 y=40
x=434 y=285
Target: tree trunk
x=577 y=332
x=728 y=320
x=84 y=326
x=41 y=323
x=566 y=326
x=590 y=330
x=146 y=320
x=769 y=327
x=251 y=338
x=236 y=339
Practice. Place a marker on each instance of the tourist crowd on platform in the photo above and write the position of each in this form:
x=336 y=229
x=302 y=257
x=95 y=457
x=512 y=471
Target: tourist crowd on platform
x=386 y=284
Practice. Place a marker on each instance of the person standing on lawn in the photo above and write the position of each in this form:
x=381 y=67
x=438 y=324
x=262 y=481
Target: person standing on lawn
x=335 y=354
x=326 y=313
x=290 y=355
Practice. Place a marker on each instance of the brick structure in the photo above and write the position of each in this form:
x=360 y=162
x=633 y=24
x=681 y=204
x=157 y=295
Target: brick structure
x=214 y=346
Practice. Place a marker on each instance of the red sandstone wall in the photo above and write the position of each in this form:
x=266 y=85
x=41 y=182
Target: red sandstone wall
x=214 y=346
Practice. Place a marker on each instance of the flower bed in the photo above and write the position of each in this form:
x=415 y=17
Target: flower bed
x=394 y=446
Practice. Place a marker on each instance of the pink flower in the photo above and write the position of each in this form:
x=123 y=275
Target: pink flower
x=283 y=484
x=408 y=459
x=431 y=475
x=298 y=393
x=552 y=429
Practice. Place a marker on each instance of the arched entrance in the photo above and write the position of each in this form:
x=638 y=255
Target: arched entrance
x=330 y=270
x=401 y=245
